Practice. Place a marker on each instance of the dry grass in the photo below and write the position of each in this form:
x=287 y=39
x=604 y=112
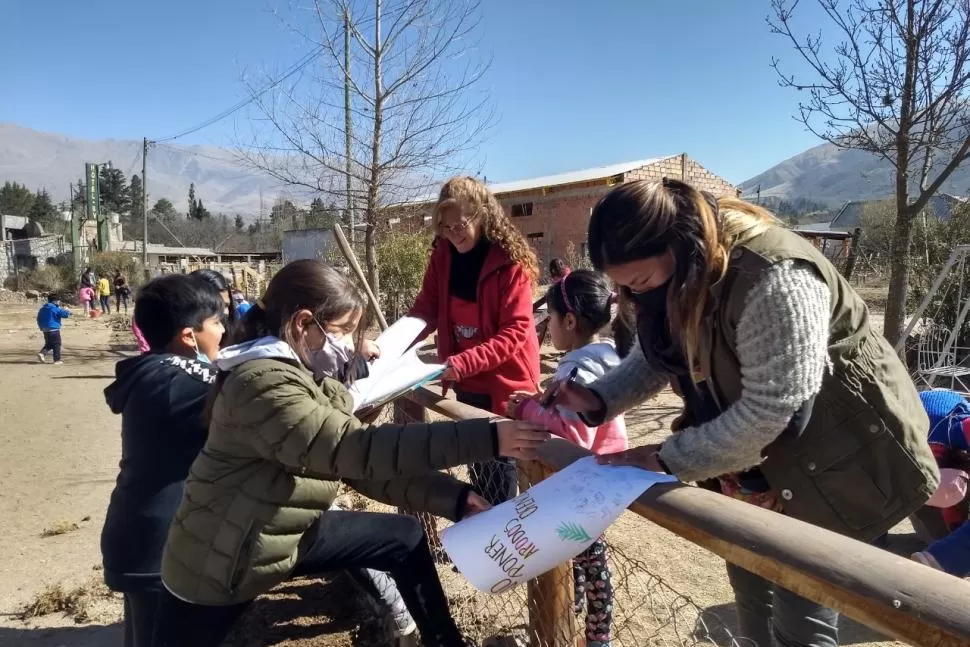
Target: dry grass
x=60 y=528
x=75 y=603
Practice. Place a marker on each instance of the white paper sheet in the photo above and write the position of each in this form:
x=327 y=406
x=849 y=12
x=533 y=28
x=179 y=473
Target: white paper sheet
x=544 y=526
x=398 y=369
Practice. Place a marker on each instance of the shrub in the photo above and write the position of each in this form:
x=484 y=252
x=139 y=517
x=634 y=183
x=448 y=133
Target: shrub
x=401 y=261
x=107 y=263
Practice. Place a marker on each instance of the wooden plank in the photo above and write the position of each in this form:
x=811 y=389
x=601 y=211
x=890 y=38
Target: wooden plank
x=886 y=592
x=552 y=622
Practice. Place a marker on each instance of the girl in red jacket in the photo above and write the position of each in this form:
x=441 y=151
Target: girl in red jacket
x=477 y=294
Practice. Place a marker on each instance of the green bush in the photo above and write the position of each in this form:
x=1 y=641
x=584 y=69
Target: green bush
x=107 y=263
x=401 y=261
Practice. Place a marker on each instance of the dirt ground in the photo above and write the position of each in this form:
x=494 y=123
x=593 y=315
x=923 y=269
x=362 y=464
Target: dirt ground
x=59 y=449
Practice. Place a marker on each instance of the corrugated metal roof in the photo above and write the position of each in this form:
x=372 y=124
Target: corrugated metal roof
x=572 y=177
x=165 y=250
x=559 y=179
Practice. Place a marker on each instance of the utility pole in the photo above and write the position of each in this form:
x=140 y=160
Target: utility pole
x=144 y=207
x=348 y=125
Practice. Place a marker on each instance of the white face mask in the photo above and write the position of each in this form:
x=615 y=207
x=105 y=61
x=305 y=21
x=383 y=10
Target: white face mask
x=330 y=360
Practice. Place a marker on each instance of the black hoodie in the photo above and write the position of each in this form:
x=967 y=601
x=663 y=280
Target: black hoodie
x=161 y=399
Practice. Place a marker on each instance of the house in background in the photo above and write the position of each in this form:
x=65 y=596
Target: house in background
x=553 y=211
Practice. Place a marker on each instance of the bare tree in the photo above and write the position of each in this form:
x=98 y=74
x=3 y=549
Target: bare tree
x=408 y=105
x=894 y=84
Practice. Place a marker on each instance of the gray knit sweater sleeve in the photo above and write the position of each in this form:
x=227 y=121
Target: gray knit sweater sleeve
x=782 y=346
x=626 y=386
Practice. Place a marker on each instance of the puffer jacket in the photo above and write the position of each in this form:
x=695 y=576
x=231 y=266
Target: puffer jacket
x=277 y=449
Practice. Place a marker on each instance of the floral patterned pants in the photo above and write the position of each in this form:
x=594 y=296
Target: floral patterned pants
x=591 y=573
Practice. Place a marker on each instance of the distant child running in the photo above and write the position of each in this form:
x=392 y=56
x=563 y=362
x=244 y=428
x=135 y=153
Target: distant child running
x=104 y=293
x=161 y=397
x=86 y=296
x=579 y=307
x=49 y=321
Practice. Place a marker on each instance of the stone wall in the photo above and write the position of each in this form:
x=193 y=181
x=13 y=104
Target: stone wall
x=29 y=253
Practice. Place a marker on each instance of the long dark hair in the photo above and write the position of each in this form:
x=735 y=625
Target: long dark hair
x=642 y=219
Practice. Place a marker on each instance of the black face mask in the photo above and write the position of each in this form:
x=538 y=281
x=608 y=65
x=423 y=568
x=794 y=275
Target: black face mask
x=652 y=302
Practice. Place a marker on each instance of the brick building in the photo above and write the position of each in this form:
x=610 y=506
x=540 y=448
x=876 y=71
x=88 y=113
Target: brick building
x=554 y=211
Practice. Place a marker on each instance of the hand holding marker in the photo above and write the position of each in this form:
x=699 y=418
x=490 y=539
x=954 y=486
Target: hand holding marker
x=551 y=396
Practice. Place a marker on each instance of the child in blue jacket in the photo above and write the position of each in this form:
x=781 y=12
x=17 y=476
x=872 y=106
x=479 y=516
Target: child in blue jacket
x=49 y=321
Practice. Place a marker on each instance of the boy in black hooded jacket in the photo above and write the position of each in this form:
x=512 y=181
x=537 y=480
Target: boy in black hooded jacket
x=161 y=397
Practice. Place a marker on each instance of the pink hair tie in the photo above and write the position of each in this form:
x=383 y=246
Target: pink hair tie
x=565 y=297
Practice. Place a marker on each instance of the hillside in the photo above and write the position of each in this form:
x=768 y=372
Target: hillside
x=833 y=176
x=52 y=161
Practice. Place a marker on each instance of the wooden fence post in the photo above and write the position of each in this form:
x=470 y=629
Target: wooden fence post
x=552 y=620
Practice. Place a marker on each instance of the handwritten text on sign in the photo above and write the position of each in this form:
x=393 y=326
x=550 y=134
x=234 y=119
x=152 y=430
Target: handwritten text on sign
x=545 y=526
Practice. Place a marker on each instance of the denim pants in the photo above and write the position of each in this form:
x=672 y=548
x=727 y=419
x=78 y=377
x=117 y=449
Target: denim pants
x=953 y=551
x=52 y=342
x=497 y=480
x=341 y=540
x=766 y=610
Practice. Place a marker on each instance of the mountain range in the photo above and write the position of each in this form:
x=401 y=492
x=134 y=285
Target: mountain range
x=833 y=176
x=52 y=161
x=824 y=174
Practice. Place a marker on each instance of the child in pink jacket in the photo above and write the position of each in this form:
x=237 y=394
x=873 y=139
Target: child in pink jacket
x=86 y=296
x=579 y=307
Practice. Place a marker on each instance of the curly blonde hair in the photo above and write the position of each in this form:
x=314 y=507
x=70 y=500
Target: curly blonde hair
x=478 y=203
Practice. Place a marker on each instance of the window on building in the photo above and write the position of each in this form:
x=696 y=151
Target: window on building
x=535 y=235
x=521 y=209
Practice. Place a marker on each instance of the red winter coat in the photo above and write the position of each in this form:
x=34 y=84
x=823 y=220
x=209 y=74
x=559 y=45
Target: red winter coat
x=508 y=359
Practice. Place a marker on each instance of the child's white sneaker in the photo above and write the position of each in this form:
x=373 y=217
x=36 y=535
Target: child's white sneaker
x=58 y=363
x=41 y=358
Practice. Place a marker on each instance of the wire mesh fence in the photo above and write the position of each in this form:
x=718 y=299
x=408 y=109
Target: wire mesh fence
x=606 y=596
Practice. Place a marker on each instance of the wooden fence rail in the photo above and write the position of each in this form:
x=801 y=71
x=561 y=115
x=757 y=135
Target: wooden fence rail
x=885 y=592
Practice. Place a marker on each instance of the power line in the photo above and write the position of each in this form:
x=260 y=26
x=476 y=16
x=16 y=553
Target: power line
x=305 y=60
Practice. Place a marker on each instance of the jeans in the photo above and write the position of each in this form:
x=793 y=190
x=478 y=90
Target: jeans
x=106 y=304
x=953 y=551
x=140 y=608
x=497 y=479
x=52 y=342
x=341 y=540
x=121 y=298
x=766 y=610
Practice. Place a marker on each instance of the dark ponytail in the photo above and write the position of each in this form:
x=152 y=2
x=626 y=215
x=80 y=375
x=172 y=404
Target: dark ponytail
x=586 y=294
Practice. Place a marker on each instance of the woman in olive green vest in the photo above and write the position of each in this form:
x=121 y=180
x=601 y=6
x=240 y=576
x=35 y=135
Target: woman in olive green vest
x=791 y=401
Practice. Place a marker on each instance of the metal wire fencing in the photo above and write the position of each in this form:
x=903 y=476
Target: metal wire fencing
x=606 y=596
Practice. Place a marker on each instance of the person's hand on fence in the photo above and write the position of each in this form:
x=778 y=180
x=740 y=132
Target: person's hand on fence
x=570 y=395
x=448 y=378
x=646 y=457
x=474 y=504
x=520 y=439
x=370 y=350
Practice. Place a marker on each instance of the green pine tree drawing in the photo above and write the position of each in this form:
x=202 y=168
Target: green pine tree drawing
x=569 y=531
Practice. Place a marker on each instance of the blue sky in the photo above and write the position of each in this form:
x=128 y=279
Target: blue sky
x=575 y=83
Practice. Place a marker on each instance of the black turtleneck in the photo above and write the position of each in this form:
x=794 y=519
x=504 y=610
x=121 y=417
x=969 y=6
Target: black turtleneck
x=465 y=270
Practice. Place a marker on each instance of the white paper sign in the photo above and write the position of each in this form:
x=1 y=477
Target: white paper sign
x=398 y=369
x=543 y=527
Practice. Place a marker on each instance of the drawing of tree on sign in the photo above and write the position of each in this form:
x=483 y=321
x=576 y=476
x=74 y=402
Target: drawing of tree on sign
x=568 y=531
